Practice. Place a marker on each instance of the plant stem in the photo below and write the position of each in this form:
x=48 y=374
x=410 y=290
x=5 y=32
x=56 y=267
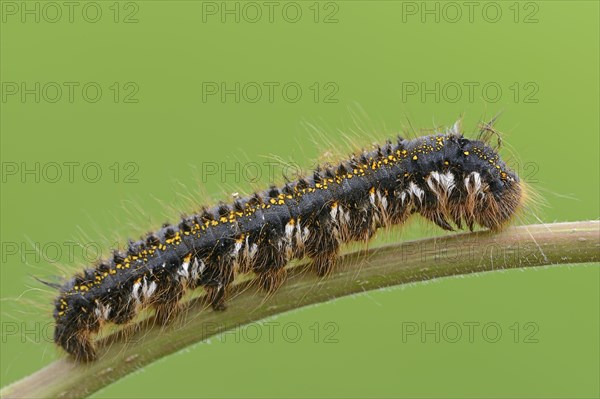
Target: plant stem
x=524 y=246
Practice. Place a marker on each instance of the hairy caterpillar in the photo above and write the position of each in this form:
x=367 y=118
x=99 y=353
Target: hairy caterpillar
x=446 y=178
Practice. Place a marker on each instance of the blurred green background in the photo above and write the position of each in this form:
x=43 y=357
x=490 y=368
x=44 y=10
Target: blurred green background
x=115 y=113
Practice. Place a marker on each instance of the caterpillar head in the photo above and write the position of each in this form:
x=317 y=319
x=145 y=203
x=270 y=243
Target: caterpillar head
x=491 y=192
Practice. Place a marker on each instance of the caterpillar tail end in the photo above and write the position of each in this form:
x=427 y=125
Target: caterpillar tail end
x=75 y=342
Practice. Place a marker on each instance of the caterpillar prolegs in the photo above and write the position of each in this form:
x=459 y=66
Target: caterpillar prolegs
x=446 y=178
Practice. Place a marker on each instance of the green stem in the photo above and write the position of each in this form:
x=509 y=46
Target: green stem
x=524 y=246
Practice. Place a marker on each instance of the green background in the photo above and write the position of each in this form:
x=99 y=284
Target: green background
x=371 y=54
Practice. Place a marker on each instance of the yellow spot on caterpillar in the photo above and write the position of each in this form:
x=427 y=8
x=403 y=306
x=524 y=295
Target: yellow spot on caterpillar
x=61 y=313
x=466 y=153
x=187 y=257
x=415 y=158
x=272 y=201
x=446 y=163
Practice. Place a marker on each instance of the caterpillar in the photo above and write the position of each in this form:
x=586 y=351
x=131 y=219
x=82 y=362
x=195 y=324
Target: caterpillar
x=444 y=177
